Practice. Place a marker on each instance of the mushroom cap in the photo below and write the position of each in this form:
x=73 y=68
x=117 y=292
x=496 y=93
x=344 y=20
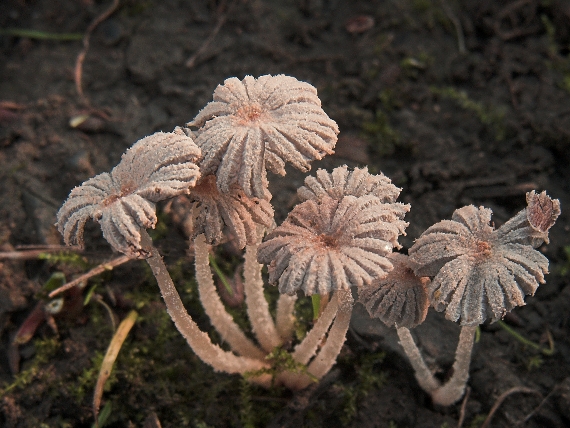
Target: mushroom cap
x=156 y=167
x=257 y=124
x=329 y=245
x=400 y=298
x=213 y=210
x=342 y=182
x=479 y=272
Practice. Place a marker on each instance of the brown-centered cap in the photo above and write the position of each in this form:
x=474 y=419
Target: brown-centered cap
x=155 y=168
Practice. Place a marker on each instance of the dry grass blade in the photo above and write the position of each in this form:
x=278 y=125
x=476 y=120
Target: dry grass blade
x=95 y=271
x=35 y=251
x=109 y=360
x=191 y=62
x=78 y=73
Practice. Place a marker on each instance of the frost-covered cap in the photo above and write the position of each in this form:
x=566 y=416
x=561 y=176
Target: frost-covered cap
x=213 y=211
x=329 y=245
x=156 y=167
x=257 y=124
x=400 y=298
x=480 y=272
x=342 y=182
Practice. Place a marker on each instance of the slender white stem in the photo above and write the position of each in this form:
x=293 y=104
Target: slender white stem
x=257 y=308
x=199 y=341
x=215 y=309
x=454 y=388
x=284 y=318
x=423 y=374
x=307 y=348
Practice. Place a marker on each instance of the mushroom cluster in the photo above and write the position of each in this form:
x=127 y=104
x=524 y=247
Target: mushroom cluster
x=342 y=236
x=472 y=272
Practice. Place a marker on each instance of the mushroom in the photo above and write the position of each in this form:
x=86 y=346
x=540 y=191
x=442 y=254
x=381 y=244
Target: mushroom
x=327 y=245
x=212 y=211
x=157 y=167
x=342 y=182
x=401 y=300
x=254 y=124
x=480 y=273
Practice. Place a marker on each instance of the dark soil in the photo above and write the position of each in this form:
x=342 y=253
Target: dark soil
x=459 y=102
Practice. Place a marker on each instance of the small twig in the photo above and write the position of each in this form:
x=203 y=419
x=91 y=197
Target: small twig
x=537 y=408
x=502 y=397
x=78 y=73
x=463 y=407
x=95 y=271
x=457 y=24
x=191 y=62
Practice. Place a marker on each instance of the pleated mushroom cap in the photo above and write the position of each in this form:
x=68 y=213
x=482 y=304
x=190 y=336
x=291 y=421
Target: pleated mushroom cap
x=481 y=273
x=400 y=299
x=342 y=182
x=155 y=168
x=329 y=245
x=214 y=211
x=257 y=124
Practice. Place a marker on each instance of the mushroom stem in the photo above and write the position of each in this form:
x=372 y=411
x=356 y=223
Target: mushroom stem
x=257 y=308
x=199 y=341
x=326 y=357
x=215 y=309
x=454 y=388
x=336 y=337
x=307 y=348
x=424 y=376
x=284 y=318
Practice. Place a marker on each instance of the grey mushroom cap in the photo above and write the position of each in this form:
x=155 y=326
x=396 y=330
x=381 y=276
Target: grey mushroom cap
x=155 y=168
x=400 y=299
x=478 y=272
x=214 y=212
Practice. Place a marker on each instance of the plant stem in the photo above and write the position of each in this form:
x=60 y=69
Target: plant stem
x=284 y=318
x=527 y=342
x=307 y=348
x=220 y=274
x=326 y=357
x=257 y=307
